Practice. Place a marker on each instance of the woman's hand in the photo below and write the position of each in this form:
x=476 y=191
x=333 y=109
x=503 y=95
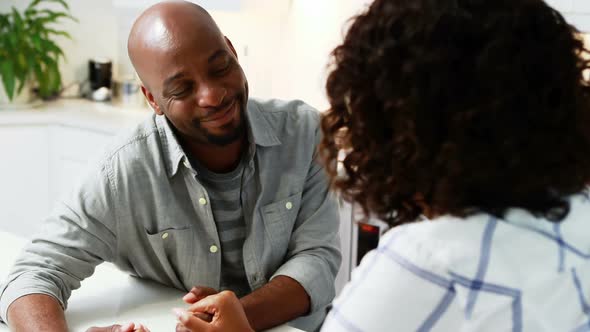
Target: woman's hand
x=225 y=309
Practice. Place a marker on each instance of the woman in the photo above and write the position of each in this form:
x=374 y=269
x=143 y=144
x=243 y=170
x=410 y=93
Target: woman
x=466 y=125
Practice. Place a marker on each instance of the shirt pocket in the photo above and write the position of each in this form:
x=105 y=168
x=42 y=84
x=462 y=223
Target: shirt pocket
x=172 y=247
x=279 y=219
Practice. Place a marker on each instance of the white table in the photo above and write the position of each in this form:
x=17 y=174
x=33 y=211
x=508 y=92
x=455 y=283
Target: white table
x=112 y=297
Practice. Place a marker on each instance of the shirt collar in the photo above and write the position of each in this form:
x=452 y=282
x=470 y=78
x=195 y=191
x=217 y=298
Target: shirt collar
x=260 y=132
x=172 y=151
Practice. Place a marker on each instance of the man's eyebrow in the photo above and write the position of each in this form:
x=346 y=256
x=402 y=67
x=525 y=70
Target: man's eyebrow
x=216 y=55
x=170 y=79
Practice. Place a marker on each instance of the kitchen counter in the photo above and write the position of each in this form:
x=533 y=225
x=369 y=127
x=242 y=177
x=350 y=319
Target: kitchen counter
x=79 y=113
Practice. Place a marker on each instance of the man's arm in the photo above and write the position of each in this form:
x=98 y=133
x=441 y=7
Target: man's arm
x=79 y=235
x=37 y=312
x=282 y=296
x=304 y=284
x=314 y=257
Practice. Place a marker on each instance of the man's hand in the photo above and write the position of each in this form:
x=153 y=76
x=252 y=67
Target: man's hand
x=131 y=327
x=195 y=295
x=225 y=309
x=198 y=293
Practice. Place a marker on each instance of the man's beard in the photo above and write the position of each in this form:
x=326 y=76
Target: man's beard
x=223 y=140
x=232 y=136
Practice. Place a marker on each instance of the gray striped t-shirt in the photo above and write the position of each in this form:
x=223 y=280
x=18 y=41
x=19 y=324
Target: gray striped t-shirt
x=224 y=195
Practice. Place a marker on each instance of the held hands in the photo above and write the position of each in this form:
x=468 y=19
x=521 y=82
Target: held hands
x=224 y=310
x=209 y=311
x=195 y=295
x=131 y=327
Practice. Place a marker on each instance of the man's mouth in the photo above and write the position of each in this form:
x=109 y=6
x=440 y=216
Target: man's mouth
x=219 y=114
x=223 y=115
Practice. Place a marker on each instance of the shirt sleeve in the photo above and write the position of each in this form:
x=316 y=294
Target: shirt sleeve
x=397 y=287
x=313 y=256
x=79 y=234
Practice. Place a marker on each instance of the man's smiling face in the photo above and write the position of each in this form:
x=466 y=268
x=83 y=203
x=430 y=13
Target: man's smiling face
x=191 y=75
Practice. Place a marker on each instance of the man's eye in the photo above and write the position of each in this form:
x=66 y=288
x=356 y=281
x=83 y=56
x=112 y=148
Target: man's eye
x=180 y=92
x=223 y=69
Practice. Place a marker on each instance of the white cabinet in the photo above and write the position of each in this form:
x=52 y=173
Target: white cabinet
x=44 y=152
x=23 y=178
x=40 y=164
x=71 y=149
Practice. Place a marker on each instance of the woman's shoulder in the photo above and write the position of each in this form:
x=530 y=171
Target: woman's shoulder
x=441 y=237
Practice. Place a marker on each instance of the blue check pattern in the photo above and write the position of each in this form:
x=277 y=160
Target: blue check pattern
x=473 y=285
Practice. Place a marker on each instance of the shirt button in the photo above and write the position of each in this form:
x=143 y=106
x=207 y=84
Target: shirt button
x=213 y=249
x=165 y=236
x=289 y=205
x=202 y=201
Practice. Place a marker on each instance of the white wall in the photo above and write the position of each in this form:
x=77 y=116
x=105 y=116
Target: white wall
x=283 y=45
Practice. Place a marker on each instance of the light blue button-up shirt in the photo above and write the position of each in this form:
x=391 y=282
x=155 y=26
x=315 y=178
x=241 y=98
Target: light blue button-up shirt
x=143 y=209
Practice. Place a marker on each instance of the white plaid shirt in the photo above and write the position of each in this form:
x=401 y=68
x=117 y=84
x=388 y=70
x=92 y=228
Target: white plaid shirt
x=476 y=274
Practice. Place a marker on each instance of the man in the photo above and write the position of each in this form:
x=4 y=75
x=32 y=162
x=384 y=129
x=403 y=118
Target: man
x=215 y=190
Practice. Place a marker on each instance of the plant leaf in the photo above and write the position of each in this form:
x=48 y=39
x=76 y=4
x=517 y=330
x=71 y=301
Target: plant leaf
x=54 y=80
x=33 y=4
x=59 y=33
x=40 y=78
x=4 y=21
x=50 y=47
x=52 y=17
x=18 y=20
x=21 y=85
x=51 y=82
x=8 y=79
x=62 y=2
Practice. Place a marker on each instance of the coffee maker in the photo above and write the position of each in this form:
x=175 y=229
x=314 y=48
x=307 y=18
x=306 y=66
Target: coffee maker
x=100 y=73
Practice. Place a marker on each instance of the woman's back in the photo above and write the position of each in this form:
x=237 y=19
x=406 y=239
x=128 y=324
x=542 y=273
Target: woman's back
x=479 y=274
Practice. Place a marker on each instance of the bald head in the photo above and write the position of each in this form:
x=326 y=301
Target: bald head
x=165 y=27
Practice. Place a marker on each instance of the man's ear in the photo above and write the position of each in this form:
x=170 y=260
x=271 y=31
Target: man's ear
x=150 y=98
x=231 y=46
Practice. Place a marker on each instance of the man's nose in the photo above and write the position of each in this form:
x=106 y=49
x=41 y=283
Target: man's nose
x=211 y=96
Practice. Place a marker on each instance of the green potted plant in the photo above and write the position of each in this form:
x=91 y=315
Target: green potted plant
x=29 y=54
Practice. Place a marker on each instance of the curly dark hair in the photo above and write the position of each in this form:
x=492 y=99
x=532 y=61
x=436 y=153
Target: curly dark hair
x=459 y=107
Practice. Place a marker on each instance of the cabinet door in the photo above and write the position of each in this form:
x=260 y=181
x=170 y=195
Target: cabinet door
x=23 y=178
x=72 y=151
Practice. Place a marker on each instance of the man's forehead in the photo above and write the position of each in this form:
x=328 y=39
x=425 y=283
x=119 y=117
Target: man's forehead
x=173 y=30
x=158 y=36
x=173 y=53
